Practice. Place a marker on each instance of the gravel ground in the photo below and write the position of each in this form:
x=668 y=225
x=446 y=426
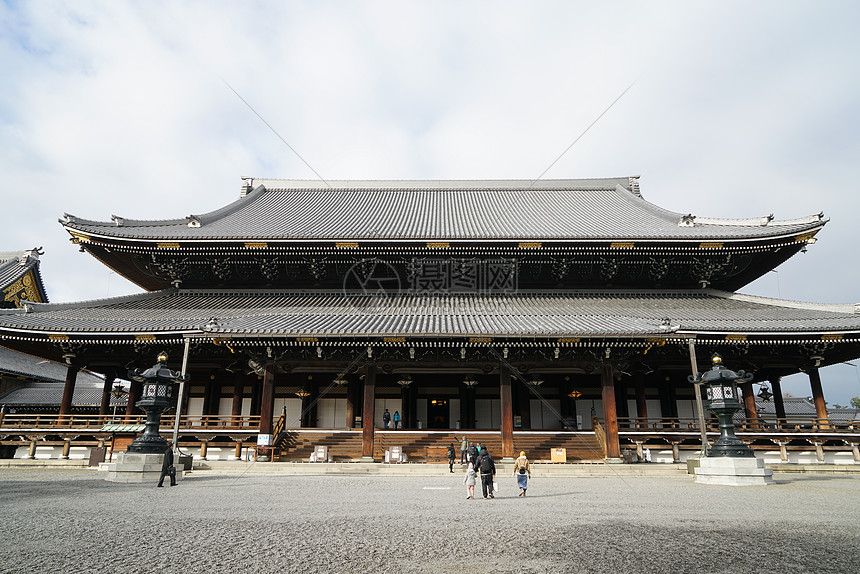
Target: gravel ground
x=72 y=521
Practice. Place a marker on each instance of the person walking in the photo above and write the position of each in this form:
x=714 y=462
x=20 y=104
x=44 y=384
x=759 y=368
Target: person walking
x=523 y=473
x=451 y=456
x=386 y=418
x=167 y=468
x=472 y=454
x=464 y=447
x=469 y=481
x=396 y=419
x=487 y=468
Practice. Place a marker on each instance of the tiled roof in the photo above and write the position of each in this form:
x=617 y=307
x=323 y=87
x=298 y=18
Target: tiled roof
x=593 y=209
x=14 y=265
x=527 y=314
x=87 y=394
x=22 y=364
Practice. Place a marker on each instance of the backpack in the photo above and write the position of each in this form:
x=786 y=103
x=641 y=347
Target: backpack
x=486 y=464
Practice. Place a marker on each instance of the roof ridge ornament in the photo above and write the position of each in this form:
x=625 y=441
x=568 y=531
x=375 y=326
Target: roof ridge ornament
x=193 y=221
x=118 y=221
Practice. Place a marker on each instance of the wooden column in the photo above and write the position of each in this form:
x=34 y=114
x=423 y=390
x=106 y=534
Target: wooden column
x=818 y=397
x=368 y=406
x=238 y=396
x=621 y=400
x=134 y=390
x=267 y=399
x=524 y=397
x=778 y=403
x=404 y=404
x=104 y=407
x=314 y=399
x=350 y=404
x=507 y=411
x=750 y=409
x=641 y=402
x=69 y=389
x=610 y=418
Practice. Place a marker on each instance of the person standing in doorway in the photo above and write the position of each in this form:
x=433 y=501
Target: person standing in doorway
x=386 y=419
x=469 y=481
x=396 y=419
x=487 y=467
x=451 y=456
x=464 y=447
x=523 y=472
x=167 y=468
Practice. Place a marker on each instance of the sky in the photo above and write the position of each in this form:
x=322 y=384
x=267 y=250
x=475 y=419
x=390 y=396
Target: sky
x=732 y=109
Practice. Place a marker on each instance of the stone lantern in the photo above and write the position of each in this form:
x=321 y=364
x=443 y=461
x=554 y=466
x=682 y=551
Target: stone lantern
x=730 y=461
x=157 y=395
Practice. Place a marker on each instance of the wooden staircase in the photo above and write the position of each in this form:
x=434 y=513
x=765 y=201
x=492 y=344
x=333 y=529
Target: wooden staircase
x=432 y=446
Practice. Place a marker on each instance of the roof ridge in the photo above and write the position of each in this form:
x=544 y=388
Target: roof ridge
x=852 y=308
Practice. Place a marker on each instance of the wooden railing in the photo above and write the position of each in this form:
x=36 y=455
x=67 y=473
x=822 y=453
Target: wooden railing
x=600 y=433
x=794 y=423
x=96 y=422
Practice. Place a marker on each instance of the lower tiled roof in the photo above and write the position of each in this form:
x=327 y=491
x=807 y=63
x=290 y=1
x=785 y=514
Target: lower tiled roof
x=336 y=314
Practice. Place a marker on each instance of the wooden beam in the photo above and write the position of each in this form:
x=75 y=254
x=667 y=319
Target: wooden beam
x=69 y=389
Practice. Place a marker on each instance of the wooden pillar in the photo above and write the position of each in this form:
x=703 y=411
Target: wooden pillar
x=413 y=405
x=256 y=390
x=238 y=452
x=238 y=396
x=818 y=397
x=32 y=452
x=641 y=402
x=621 y=400
x=778 y=403
x=610 y=418
x=404 y=404
x=350 y=404
x=208 y=394
x=267 y=399
x=68 y=389
x=104 y=406
x=204 y=449
x=368 y=406
x=134 y=390
x=314 y=399
x=507 y=413
x=524 y=397
x=67 y=445
x=750 y=409
x=464 y=406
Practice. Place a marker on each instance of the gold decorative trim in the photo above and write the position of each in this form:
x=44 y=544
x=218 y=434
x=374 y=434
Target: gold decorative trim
x=480 y=339
x=346 y=245
x=256 y=245
x=58 y=337
x=714 y=245
x=569 y=340
x=736 y=337
x=307 y=339
x=394 y=339
x=78 y=237
x=832 y=337
x=621 y=245
x=145 y=337
x=168 y=245
x=438 y=245
x=530 y=245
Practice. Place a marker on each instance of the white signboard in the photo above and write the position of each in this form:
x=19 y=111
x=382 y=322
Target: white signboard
x=264 y=439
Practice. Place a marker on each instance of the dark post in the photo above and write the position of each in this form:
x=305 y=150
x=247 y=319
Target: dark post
x=621 y=399
x=507 y=411
x=610 y=420
x=778 y=403
x=818 y=397
x=267 y=400
x=238 y=395
x=350 y=404
x=367 y=411
x=104 y=406
x=524 y=406
x=641 y=402
x=69 y=388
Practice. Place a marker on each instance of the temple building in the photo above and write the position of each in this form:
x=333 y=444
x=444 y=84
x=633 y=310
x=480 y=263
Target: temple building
x=521 y=313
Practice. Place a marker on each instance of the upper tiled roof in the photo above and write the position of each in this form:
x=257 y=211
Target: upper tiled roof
x=573 y=209
x=532 y=314
x=20 y=278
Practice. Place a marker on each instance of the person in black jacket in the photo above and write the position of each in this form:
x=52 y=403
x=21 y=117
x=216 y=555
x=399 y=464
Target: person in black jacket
x=487 y=468
x=167 y=468
x=451 y=456
x=472 y=455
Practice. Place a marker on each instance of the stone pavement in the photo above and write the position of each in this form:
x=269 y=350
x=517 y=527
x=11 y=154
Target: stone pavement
x=73 y=521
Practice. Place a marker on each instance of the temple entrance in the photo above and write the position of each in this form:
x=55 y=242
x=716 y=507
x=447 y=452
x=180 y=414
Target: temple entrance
x=437 y=414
